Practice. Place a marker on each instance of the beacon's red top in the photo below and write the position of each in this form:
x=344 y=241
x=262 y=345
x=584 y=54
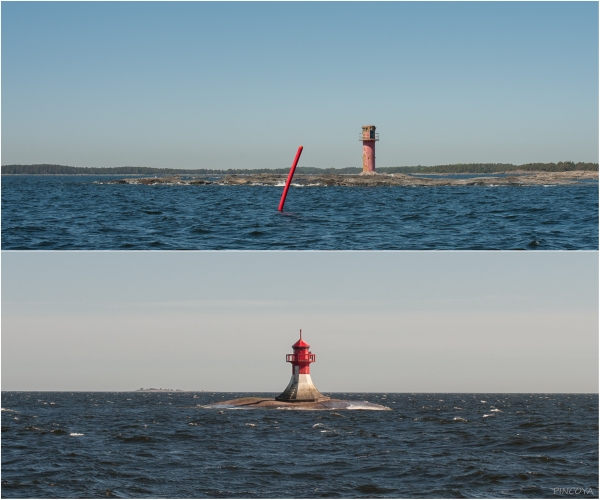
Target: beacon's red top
x=300 y=344
x=302 y=357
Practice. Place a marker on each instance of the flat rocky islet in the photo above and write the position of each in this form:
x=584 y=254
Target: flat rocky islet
x=160 y=390
x=273 y=404
x=514 y=178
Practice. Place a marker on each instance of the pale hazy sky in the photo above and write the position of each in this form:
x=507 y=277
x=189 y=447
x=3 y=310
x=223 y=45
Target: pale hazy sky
x=377 y=321
x=242 y=85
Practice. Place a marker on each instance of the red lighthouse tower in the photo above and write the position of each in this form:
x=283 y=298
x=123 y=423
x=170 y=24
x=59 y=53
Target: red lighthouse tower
x=368 y=138
x=301 y=387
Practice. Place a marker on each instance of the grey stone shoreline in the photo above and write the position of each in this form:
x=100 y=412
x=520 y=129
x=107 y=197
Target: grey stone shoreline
x=324 y=180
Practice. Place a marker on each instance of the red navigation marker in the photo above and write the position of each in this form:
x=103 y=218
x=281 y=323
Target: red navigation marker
x=368 y=138
x=289 y=179
x=301 y=387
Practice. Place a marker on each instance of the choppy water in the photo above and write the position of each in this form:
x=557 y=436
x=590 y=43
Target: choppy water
x=81 y=212
x=429 y=445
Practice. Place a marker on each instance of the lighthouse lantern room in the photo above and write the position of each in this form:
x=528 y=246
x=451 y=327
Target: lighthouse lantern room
x=301 y=388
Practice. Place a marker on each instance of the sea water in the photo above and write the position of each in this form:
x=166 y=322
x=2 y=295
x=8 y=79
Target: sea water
x=88 y=212
x=135 y=444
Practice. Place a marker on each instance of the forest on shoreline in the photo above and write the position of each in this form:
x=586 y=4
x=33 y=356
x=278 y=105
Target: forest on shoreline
x=459 y=168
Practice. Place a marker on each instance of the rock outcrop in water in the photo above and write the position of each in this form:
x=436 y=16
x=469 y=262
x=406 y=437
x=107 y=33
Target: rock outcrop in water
x=273 y=404
x=323 y=180
x=149 y=181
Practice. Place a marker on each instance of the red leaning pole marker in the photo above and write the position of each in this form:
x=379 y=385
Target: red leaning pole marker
x=289 y=179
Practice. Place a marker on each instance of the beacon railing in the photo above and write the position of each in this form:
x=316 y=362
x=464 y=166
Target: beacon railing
x=368 y=137
x=299 y=358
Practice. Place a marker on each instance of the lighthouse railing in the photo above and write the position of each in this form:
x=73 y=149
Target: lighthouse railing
x=300 y=358
x=368 y=137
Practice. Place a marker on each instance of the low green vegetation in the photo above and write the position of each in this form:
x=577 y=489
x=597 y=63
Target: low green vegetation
x=459 y=168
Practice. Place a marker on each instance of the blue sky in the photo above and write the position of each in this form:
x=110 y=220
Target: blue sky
x=402 y=321
x=241 y=85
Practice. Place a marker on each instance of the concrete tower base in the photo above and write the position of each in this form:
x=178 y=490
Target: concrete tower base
x=301 y=390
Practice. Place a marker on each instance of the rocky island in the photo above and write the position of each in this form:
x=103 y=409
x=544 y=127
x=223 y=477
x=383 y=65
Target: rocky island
x=152 y=389
x=514 y=178
x=274 y=404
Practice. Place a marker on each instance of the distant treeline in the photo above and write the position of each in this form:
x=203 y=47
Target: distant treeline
x=459 y=168
x=45 y=169
x=490 y=168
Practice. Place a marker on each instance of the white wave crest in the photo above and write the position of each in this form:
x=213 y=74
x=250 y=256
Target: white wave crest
x=366 y=407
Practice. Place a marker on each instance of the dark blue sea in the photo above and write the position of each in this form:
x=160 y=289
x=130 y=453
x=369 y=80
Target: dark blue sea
x=128 y=444
x=84 y=212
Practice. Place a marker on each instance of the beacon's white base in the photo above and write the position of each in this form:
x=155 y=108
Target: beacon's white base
x=301 y=389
